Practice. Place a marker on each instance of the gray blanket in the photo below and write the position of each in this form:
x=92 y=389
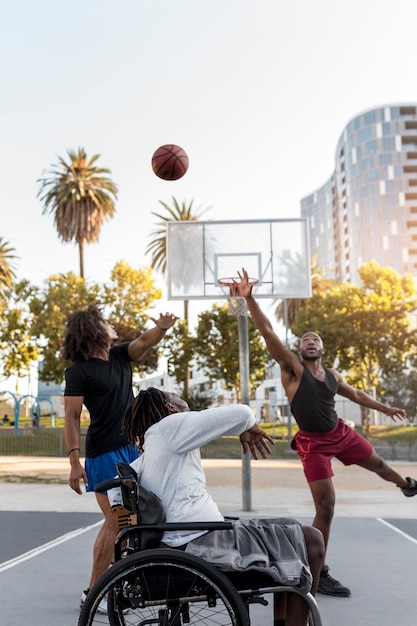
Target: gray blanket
x=275 y=547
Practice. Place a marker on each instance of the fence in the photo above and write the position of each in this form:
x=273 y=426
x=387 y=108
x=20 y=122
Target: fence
x=50 y=442
x=35 y=442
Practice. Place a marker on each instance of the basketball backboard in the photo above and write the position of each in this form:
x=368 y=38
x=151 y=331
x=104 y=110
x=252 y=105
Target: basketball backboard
x=274 y=252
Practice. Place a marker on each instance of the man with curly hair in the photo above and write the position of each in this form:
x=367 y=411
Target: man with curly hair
x=99 y=376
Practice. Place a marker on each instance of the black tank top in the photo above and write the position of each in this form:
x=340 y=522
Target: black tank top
x=313 y=403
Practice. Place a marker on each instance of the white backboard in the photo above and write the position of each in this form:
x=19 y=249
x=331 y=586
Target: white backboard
x=275 y=252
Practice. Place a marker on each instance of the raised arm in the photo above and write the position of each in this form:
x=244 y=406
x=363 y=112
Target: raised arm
x=276 y=348
x=151 y=337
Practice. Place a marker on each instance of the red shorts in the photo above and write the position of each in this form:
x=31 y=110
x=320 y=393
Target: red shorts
x=317 y=450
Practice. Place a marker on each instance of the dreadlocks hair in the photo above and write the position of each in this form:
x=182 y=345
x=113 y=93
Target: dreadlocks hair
x=84 y=332
x=149 y=407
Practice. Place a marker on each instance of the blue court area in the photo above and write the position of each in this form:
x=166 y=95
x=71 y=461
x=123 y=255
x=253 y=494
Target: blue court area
x=46 y=560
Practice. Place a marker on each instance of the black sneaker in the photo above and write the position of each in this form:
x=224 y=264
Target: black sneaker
x=329 y=586
x=411 y=490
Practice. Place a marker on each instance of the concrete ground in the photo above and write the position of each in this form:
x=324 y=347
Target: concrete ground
x=47 y=550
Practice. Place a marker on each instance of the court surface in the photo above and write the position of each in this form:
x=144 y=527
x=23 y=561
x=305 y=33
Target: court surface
x=48 y=532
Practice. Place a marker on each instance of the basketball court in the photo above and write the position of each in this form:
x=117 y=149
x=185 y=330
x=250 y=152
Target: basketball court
x=48 y=534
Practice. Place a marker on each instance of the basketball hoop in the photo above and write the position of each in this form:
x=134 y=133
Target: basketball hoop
x=235 y=302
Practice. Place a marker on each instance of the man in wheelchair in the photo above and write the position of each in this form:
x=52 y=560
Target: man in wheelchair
x=169 y=436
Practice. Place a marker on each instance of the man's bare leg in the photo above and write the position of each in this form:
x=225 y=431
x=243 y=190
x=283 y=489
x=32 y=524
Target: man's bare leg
x=104 y=544
x=324 y=498
x=375 y=463
x=324 y=501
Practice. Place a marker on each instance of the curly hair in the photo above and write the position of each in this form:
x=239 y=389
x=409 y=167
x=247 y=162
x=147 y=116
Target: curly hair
x=84 y=333
x=149 y=407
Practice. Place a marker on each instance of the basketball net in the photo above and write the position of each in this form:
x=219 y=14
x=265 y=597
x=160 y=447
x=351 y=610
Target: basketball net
x=236 y=305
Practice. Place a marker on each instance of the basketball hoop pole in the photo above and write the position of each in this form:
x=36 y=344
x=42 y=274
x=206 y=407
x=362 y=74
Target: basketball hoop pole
x=237 y=307
x=244 y=392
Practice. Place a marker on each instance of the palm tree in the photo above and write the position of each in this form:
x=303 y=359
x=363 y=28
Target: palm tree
x=157 y=248
x=7 y=274
x=81 y=198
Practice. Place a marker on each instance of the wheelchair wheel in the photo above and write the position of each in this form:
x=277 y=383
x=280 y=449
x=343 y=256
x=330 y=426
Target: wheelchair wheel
x=164 y=588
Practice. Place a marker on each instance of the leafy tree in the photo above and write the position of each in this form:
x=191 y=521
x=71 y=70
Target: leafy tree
x=200 y=400
x=18 y=346
x=179 y=348
x=80 y=196
x=217 y=349
x=7 y=273
x=365 y=330
x=157 y=248
x=127 y=298
x=401 y=390
x=63 y=294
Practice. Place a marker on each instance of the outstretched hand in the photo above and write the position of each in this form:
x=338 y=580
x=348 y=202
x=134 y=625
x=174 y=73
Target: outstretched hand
x=245 y=287
x=164 y=321
x=396 y=413
x=256 y=440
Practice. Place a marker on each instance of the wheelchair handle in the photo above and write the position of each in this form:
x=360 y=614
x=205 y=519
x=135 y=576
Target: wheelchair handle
x=109 y=484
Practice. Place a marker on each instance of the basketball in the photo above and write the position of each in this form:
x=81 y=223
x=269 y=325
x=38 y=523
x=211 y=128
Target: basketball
x=170 y=162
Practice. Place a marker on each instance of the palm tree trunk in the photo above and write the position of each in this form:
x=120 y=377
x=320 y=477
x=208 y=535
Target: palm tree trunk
x=81 y=253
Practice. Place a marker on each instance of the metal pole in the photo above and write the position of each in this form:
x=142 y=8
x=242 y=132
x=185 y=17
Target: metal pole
x=244 y=392
x=287 y=408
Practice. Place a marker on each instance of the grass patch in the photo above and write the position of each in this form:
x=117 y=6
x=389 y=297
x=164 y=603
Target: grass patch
x=393 y=433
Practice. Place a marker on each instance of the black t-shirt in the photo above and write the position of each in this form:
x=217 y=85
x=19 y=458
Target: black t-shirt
x=313 y=403
x=106 y=387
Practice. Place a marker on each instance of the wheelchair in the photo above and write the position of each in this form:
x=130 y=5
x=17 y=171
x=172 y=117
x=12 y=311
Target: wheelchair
x=149 y=584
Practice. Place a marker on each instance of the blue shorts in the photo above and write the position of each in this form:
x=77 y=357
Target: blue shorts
x=103 y=467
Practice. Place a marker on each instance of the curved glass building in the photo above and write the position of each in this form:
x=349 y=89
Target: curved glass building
x=367 y=211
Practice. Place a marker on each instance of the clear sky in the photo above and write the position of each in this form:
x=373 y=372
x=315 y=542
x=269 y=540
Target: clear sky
x=257 y=92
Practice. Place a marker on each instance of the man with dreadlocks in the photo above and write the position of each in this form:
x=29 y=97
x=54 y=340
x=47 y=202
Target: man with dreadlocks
x=100 y=377
x=170 y=436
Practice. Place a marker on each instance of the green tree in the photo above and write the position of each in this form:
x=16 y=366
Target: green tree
x=127 y=298
x=365 y=329
x=7 y=270
x=217 y=349
x=157 y=248
x=61 y=295
x=401 y=390
x=179 y=349
x=18 y=345
x=80 y=196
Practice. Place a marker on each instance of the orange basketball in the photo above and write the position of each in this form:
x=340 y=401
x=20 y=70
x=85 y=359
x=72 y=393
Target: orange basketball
x=170 y=162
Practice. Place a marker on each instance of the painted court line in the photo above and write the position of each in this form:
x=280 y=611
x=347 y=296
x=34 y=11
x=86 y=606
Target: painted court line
x=397 y=530
x=46 y=546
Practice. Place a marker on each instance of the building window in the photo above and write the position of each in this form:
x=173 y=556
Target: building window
x=388 y=144
x=385 y=159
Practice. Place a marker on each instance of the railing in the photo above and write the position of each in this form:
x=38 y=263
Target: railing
x=50 y=442
x=35 y=442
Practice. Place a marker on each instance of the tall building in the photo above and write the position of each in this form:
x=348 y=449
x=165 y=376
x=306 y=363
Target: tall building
x=367 y=211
